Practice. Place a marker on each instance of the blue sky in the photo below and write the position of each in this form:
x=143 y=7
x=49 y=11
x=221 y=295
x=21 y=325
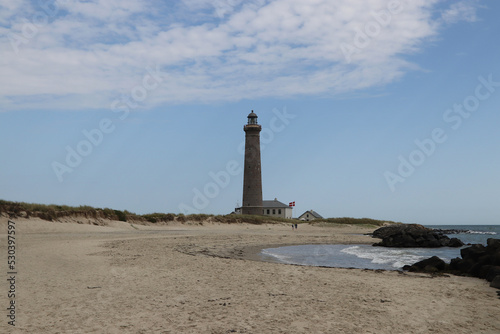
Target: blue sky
x=380 y=109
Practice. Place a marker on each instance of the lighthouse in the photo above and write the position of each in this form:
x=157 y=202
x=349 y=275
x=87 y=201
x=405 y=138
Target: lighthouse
x=252 y=179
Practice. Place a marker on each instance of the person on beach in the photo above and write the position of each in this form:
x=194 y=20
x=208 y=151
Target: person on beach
x=292 y=227
x=296 y=226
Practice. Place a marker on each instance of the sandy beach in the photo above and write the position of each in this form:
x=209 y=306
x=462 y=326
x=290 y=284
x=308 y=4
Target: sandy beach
x=191 y=278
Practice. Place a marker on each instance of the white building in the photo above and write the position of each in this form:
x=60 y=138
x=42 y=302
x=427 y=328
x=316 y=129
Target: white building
x=310 y=215
x=273 y=208
x=276 y=209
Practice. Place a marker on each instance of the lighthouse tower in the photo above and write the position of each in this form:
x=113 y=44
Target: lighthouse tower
x=252 y=179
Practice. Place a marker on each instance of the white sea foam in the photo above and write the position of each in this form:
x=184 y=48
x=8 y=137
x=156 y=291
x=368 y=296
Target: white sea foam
x=369 y=257
x=481 y=232
x=355 y=256
x=279 y=257
x=394 y=257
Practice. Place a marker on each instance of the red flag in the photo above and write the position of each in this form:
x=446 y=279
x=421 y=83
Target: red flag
x=291 y=204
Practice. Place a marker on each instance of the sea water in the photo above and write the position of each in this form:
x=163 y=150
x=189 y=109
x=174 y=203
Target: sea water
x=369 y=257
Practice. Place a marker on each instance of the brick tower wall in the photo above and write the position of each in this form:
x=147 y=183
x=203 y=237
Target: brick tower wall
x=252 y=179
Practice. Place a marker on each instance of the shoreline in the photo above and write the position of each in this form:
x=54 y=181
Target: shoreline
x=253 y=253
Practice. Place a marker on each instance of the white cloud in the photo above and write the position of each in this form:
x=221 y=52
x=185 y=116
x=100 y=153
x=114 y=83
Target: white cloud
x=461 y=11
x=95 y=51
x=9 y=8
x=104 y=9
x=219 y=8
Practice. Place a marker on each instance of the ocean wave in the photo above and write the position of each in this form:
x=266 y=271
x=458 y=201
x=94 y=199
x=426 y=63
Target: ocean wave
x=355 y=256
x=480 y=232
x=462 y=231
x=396 y=258
x=280 y=257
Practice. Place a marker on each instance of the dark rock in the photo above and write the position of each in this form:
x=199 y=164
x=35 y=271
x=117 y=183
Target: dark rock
x=402 y=240
x=493 y=272
x=475 y=270
x=465 y=265
x=495 y=259
x=495 y=283
x=493 y=244
x=389 y=230
x=455 y=242
x=450 y=231
x=485 y=259
x=477 y=261
x=433 y=243
x=483 y=273
x=473 y=252
x=413 y=235
x=455 y=263
x=430 y=265
x=444 y=241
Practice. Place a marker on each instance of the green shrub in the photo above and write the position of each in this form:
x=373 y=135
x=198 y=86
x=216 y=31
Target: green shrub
x=354 y=221
x=159 y=217
x=198 y=217
x=52 y=212
x=121 y=215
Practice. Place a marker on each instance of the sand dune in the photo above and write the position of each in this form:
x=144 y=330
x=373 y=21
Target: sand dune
x=123 y=278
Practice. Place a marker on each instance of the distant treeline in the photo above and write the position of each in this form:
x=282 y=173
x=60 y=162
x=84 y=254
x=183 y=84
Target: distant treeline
x=54 y=212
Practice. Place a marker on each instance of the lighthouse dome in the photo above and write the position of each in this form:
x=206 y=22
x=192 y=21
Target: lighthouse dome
x=252 y=118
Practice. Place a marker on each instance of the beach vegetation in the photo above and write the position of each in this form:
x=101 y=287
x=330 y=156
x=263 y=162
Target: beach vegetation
x=53 y=212
x=159 y=217
x=122 y=216
x=354 y=221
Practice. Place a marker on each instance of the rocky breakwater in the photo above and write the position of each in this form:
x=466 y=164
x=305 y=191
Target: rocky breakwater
x=413 y=235
x=477 y=261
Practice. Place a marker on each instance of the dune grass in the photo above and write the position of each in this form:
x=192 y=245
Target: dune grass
x=53 y=212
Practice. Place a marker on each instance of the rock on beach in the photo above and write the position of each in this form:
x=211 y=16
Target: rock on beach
x=413 y=235
x=477 y=261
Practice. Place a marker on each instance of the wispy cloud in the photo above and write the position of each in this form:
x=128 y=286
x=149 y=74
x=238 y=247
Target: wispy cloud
x=82 y=54
x=461 y=11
